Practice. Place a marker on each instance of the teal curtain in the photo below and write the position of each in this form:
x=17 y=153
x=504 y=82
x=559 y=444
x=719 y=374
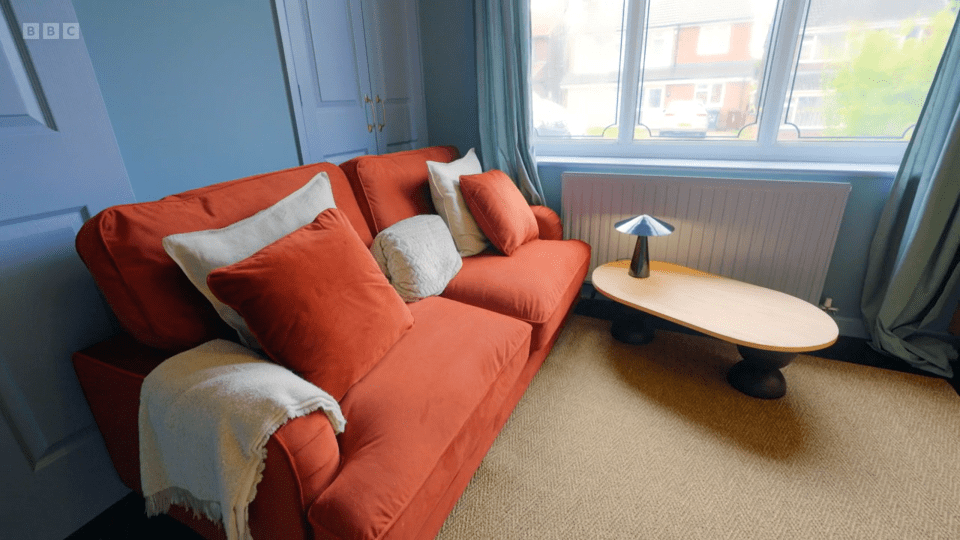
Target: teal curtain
x=503 y=53
x=910 y=288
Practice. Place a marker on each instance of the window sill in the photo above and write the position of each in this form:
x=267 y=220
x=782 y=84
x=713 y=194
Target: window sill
x=692 y=165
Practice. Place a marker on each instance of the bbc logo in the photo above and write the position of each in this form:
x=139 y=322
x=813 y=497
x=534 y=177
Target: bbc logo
x=51 y=31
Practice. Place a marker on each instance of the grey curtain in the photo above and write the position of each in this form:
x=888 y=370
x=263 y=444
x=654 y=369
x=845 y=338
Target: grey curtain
x=503 y=47
x=912 y=270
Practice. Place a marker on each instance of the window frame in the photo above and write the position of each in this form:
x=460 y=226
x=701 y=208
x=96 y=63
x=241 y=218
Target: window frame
x=783 y=50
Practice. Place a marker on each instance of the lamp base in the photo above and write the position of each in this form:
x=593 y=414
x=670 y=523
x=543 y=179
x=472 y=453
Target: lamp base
x=640 y=263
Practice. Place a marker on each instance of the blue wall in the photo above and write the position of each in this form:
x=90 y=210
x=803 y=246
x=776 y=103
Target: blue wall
x=195 y=90
x=449 y=60
x=450 y=73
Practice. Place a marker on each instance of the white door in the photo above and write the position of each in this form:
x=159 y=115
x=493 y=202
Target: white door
x=328 y=78
x=393 y=42
x=59 y=164
x=353 y=68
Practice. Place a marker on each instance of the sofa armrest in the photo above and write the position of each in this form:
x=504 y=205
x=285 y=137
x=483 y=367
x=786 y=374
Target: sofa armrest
x=549 y=223
x=303 y=457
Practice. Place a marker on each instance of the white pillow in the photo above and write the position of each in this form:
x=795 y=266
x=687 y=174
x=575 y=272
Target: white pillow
x=418 y=256
x=444 y=180
x=201 y=252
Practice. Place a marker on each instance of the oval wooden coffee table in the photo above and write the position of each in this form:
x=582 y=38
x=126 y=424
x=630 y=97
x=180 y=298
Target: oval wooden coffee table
x=769 y=327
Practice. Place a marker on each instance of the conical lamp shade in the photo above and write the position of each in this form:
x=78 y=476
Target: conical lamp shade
x=644 y=225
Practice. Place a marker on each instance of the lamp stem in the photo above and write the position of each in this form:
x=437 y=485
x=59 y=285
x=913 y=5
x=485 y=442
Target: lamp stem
x=640 y=264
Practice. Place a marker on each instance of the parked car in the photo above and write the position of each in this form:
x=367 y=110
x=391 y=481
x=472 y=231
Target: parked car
x=551 y=119
x=684 y=119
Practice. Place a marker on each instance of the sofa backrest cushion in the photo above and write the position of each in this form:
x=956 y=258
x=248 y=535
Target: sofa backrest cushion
x=394 y=187
x=151 y=296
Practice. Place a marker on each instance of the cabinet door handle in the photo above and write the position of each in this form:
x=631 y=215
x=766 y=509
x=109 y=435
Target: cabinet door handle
x=383 y=112
x=373 y=111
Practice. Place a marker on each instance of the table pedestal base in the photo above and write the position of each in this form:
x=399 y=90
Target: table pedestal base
x=758 y=374
x=635 y=328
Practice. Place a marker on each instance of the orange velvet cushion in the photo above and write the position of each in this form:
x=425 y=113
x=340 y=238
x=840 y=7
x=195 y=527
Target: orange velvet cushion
x=317 y=303
x=500 y=209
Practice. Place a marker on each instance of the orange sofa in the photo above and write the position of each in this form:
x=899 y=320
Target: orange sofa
x=419 y=422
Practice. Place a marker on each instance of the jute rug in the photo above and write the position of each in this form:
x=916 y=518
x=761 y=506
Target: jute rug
x=636 y=442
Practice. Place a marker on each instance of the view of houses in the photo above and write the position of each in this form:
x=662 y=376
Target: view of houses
x=710 y=55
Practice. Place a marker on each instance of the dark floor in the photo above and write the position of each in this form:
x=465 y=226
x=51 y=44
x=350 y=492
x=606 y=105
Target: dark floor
x=127 y=520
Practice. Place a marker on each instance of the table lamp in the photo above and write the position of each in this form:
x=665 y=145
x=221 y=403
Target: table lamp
x=642 y=226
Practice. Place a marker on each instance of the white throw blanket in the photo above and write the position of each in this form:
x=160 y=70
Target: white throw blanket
x=205 y=417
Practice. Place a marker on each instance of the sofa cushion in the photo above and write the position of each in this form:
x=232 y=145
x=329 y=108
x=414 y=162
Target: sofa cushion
x=416 y=416
x=392 y=187
x=531 y=285
x=152 y=298
x=500 y=209
x=200 y=252
x=417 y=255
x=317 y=303
x=445 y=190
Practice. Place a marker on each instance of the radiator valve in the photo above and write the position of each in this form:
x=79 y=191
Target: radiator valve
x=829 y=307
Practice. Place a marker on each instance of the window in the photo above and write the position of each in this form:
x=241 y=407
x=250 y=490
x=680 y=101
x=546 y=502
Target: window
x=807 y=80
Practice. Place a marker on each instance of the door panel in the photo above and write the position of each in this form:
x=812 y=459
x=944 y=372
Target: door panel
x=331 y=82
x=20 y=98
x=332 y=37
x=394 y=44
x=338 y=54
x=60 y=164
x=50 y=286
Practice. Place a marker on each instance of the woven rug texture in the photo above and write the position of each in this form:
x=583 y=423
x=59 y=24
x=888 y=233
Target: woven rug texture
x=635 y=442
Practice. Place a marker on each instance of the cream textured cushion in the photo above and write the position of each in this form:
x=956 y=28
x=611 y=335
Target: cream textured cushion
x=444 y=180
x=199 y=253
x=418 y=256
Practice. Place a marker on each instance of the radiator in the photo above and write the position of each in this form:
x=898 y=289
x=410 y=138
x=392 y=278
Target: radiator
x=775 y=234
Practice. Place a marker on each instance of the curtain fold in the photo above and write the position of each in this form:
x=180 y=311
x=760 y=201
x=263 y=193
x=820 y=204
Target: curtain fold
x=910 y=288
x=503 y=52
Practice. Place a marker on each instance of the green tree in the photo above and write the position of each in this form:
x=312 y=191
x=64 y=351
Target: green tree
x=880 y=91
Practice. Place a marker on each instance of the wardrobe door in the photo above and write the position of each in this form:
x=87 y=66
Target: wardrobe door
x=326 y=60
x=393 y=45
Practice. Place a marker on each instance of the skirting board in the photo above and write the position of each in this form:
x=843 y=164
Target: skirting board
x=852 y=327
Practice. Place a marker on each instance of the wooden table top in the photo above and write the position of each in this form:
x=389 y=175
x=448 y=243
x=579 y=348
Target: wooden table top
x=724 y=308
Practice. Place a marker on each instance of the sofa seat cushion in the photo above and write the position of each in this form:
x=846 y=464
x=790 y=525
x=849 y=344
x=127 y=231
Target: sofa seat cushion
x=394 y=187
x=532 y=284
x=415 y=417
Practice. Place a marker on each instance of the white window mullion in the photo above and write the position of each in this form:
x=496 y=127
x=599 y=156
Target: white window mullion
x=630 y=71
x=791 y=16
